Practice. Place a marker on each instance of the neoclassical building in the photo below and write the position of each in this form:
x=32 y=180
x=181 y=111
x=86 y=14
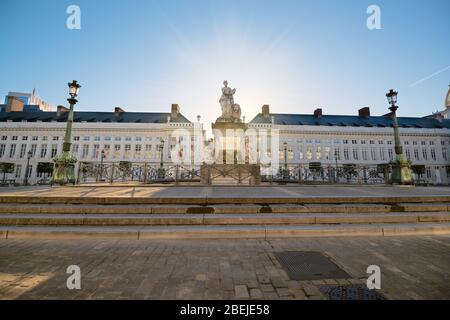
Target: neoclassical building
x=32 y=136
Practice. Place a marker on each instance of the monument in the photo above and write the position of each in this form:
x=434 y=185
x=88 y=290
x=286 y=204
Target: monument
x=231 y=160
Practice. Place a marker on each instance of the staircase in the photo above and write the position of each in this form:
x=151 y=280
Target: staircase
x=23 y=217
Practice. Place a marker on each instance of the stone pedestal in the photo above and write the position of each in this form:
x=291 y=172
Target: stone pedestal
x=401 y=172
x=246 y=174
x=229 y=142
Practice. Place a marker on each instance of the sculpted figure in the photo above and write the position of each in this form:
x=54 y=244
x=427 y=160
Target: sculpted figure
x=230 y=110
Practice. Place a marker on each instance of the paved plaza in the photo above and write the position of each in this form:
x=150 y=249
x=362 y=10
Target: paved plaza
x=411 y=267
x=230 y=192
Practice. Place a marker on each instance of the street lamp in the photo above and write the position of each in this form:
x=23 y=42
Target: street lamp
x=401 y=168
x=161 y=171
x=29 y=155
x=102 y=157
x=285 y=174
x=65 y=162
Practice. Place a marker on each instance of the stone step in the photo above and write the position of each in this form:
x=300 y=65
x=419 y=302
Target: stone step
x=219 y=219
x=208 y=201
x=219 y=232
x=221 y=209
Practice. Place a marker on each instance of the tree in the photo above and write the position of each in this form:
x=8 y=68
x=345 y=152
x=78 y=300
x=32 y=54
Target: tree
x=5 y=168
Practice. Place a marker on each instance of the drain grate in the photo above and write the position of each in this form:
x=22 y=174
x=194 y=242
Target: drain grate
x=351 y=292
x=308 y=265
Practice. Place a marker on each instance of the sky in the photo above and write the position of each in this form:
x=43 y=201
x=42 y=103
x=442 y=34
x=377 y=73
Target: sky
x=295 y=55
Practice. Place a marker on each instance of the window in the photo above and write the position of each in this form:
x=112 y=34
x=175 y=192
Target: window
x=354 y=141
x=23 y=149
x=355 y=154
x=24 y=138
x=382 y=155
x=373 y=154
x=148 y=138
x=107 y=149
x=12 y=150
x=33 y=150
x=290 y=153
x=86 y=138
x=442 y=143
x=148 y=150
x=137 y=151
x=85 y=151
x=346 y=154
x=107 y=138
x=389 y=142
x=300 y=152
x=128 y=151
x=444 y=153
x=408 y=154
x=96 y=138
x=337 y=154
x=96 y=153
x=43 y=151
x=18 y=172
x=44 y=138
x=433 y=154
x=309 y=154
x=327 y=152
x=431 y=143
x=416 y=154
x=363 y=141
x=4 y=138
x=117 y=138
x=371 y=142
x=138 y=139
x=2 y=149
x=76 y=138
x=345 y=141
x=414 y=143
x=364 y=155
x=117 y=148
x=318 y=152
x=34 y=138
x=423 y=143
x=75 y=149
x=380 y=142
x=54 y=149
x=425 y=154
x=406 y=143
x=14 y=138
x=55 y=138
x=127 y=138
x=391 y=154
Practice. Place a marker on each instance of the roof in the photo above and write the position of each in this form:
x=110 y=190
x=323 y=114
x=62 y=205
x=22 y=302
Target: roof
x=88 y=116
x=350 y=121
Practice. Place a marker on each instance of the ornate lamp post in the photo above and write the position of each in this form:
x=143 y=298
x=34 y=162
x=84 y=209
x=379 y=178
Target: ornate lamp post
x=285 y=172
x=102 y=157
x=65 y=162
x=161 y=171
x=401 y=168
x=29 y=155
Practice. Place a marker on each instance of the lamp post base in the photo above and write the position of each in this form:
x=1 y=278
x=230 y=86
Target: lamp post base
x=401 y=172
x=64 y=172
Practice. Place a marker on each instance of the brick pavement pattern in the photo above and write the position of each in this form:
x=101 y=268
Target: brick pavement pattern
x=412 y=268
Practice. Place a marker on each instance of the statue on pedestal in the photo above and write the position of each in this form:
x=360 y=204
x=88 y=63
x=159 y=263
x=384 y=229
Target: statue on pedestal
x=231 y=112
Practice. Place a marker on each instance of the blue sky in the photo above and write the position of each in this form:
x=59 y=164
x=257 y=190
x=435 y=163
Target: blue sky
x=294 y=55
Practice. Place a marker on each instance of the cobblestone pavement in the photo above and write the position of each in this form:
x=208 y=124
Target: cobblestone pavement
x=412 y=268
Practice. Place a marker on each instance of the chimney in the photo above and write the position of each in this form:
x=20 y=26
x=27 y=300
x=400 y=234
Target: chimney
x=60 y=110
x=318 y=113
x=364 y=112
x=14 y=104
x=118 y=111
x=175 y=110
x=265 y=111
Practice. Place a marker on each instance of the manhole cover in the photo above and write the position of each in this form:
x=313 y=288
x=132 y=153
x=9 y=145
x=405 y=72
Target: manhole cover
x=351 y=292
x=305 y=265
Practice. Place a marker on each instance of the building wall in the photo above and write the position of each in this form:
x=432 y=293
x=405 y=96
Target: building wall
x=136 y=142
